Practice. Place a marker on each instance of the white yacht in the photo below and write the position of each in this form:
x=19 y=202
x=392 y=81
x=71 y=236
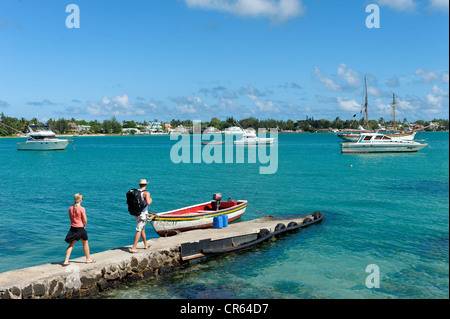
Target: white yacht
x=234 y=130
x=180 y=129
x=42 y=139
x=250 y=138
x=377 y=143
x=211 y=130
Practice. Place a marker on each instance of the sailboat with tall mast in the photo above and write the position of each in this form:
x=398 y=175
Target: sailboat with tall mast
x=400 y=135
x=366 y=103
x=353 y=137
x=382 y=143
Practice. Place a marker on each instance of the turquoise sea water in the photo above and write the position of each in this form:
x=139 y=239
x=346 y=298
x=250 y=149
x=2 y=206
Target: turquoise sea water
x=391 y=210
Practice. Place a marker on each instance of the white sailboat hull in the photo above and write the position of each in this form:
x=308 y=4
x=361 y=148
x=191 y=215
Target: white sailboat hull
x=402 y=137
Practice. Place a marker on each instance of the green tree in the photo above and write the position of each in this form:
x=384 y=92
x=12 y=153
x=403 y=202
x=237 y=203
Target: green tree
x=60 y=126
x=129 y=124
x=249 y=122
x=215 y=122
x=224 y=125
x=290 y=125
x=96 y=127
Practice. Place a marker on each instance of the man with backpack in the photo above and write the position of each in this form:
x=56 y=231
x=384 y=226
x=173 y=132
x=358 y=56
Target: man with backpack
x=138 y=201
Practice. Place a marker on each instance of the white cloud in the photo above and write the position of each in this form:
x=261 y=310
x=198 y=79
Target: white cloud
x=427 y=107
x=350 y=76
x=348 y=105
x=229 y=104
x=440 y=5
x=264 y=108
x=404 y=108
x=413 y=5
x=251 y=90
x=445 y=77
x=408 y=107
x=437 y=96
x=276 y=10
x=381 y=108
x=374 y=91
x=190 y=105
x=152 y=108
x=186 y=109
x=325 y=99
x=115 y=106
x=329 y=83
x=431 y=76
x=399 y=5
x=347 y=79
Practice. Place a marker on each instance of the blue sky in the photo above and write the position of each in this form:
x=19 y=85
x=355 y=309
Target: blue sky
x=198 y=59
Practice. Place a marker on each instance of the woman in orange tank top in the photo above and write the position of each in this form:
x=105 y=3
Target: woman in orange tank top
x=78 y=221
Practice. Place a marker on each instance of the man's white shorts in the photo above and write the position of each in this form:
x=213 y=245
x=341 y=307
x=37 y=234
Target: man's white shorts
x=141 y=220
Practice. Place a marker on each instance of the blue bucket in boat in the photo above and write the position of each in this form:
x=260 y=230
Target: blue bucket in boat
x=225 y=220
x=218 y=222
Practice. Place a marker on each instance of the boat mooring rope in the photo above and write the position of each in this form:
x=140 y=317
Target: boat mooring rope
x=265 y=215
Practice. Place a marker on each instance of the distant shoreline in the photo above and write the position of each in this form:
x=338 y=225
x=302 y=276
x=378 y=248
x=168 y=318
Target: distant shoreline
x=164 y=134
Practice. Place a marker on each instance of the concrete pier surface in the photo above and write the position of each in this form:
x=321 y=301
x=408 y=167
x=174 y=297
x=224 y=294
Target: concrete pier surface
x=118 y=266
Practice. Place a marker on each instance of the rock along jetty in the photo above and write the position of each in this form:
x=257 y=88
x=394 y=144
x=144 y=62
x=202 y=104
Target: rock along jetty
x=118 y=266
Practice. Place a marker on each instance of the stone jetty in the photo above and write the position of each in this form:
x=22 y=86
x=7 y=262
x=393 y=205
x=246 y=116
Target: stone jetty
x=117 y=266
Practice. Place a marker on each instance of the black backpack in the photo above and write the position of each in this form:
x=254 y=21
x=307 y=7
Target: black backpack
x=135 y=202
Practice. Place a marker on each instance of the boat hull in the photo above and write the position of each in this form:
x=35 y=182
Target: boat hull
x=402 y=136
x=349 y=137
x=268 y=141
x=394 y=137
x=43 y=145
x=381 y=148
x=213 y=143
x=170 y=223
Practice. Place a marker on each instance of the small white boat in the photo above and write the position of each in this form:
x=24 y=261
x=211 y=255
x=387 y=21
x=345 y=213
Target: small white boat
x=250 y=138
x=234 y=130
x=377 y=143
x=180 y=129
x=42 y=140
x=197 y=216
x=213 y=143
